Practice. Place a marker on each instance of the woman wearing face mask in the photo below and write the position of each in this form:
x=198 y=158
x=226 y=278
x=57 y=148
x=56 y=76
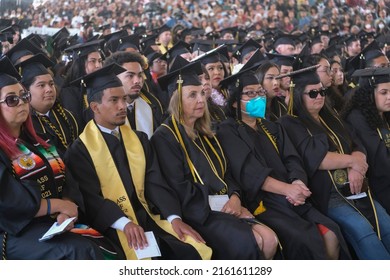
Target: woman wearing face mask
x=335 y=162
x=273 y=182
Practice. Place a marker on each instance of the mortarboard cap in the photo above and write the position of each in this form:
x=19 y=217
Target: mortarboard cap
x=152 y=57
x=8 y=74
x=87 y=24
x=305 y=76
x=6 y=37
x=147 y=41
x=22 y=49
x=284 y=39
x=162 y=29
x=115 y=36
x=228 y=30
x=34 y=66
x=101 y=79
x=349 y=39
x=8 y=29
x=178 y=49
x=200 y=46
x=123 y=43
x=37 y=40
x=249 y=46
x=218 y=54
x=280 y=60
x=139 y=29
x=104 y=27
x=372 y=76
x=181 y=70
x=84 y=49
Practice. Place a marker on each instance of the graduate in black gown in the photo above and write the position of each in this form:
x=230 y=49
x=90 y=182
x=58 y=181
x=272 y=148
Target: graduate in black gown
x=50 y=119
x=368 y=113
x=144 y=110
x=86 y=58
x=195 y=167
x=271 y=175
x=335 y=162
x=36 y=189
x=121 y=181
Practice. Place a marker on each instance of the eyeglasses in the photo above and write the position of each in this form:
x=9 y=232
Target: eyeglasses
x=254 y=93
x=160 y=61
x=314 y=93
x=13 y=100
x=327 y=70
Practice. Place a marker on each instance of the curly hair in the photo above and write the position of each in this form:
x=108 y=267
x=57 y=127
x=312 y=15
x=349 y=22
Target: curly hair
x=363 y=100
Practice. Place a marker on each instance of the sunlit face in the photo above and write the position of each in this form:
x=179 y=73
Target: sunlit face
x=43 y=93
x=13 y=116
x=285 y=82
x=216 y=73
x=112 y=111
x=324 y=72
x=132 y=79
x=94 y=62
x=206 y=85
x=313 y=105
x=159 y=67
x=382 y=97
x=194 y=103
x=270 y=84
x=165 y=37
x=337 y=74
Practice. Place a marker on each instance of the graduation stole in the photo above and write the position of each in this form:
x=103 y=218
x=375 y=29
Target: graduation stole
x=384 y=135
x=143 y=116
x=109 y=177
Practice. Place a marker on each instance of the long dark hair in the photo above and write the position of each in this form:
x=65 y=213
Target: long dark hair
x=75 y=71
x=364 y=101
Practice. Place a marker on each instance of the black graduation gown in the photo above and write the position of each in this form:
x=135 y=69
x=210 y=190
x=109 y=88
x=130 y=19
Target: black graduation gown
x=228 y=236
x=155 y=89
x=276 y=109
x=20 y=201
x=253 y=158
x=66 y=126
x=102 y=213
x=72 y=98
x=378 y=158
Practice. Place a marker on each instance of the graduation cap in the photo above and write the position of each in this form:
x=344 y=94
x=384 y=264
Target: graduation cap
x=104 y=27
x=218 y=54
x=360 y=61
x=115 y=36
x=249 y=46
x=349 y=39
x=228 y=30
x=244 y=77
x=101 y=79
x=123 y=43
x=6 y=37
x=8 y=74
x=383 y=40
x=284 y=39
x=8 y=29
x=63 y=32
x=372 y=76
x=148 y=41
x=37 y=40
x=87 y=24
x=84 y=49
x=201 y=46
x=163 y=28
x=280 y=60
x=229 y=43
x=178 y=49
x=255 y=61
x=140 y=29
x=22 y=49
x=34 y=66
x=182 y=73
x=152 y=57
x=332 y=51
x=129 y=25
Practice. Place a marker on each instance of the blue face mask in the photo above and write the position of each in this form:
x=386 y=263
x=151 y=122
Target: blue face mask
x=256 y=107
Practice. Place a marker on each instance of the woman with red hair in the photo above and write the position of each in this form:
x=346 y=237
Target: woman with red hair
x=35 y=189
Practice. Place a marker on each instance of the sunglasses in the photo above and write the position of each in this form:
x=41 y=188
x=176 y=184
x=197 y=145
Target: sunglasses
x=314 y=93
x=13 y=100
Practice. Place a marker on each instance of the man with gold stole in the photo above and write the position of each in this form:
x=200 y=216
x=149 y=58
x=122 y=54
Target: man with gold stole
x=121 y=181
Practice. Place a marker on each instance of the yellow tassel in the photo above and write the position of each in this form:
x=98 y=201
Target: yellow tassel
x=179 y=91
x=290 y=107
x=260 y=209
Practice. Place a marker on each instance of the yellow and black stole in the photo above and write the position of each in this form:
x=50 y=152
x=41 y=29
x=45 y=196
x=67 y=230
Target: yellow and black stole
x=109 y=177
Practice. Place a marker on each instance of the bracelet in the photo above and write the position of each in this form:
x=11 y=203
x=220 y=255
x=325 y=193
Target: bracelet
x=48 y=206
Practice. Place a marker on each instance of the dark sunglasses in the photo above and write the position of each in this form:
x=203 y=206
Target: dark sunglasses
x=13 y=100
x=314 y=93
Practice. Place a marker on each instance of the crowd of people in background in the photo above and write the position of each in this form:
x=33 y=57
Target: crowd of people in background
x=263 y=122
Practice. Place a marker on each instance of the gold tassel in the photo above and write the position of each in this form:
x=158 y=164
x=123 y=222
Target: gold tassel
x=179 y=91
x=290 y=108
x=260 y=209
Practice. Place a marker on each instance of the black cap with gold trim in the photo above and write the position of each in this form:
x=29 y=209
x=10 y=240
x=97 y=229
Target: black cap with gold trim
x=8 y=74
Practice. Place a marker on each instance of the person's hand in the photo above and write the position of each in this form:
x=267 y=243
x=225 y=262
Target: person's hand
x=245 y=214
x=297 y=193
x=355 y=181
x=182 y=229
x=67 y=207
x=232 y=206
x=359 y=163
x=135 y=236
x=62 y=217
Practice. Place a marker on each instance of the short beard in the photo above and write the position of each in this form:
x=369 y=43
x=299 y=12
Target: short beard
x=133 y=96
